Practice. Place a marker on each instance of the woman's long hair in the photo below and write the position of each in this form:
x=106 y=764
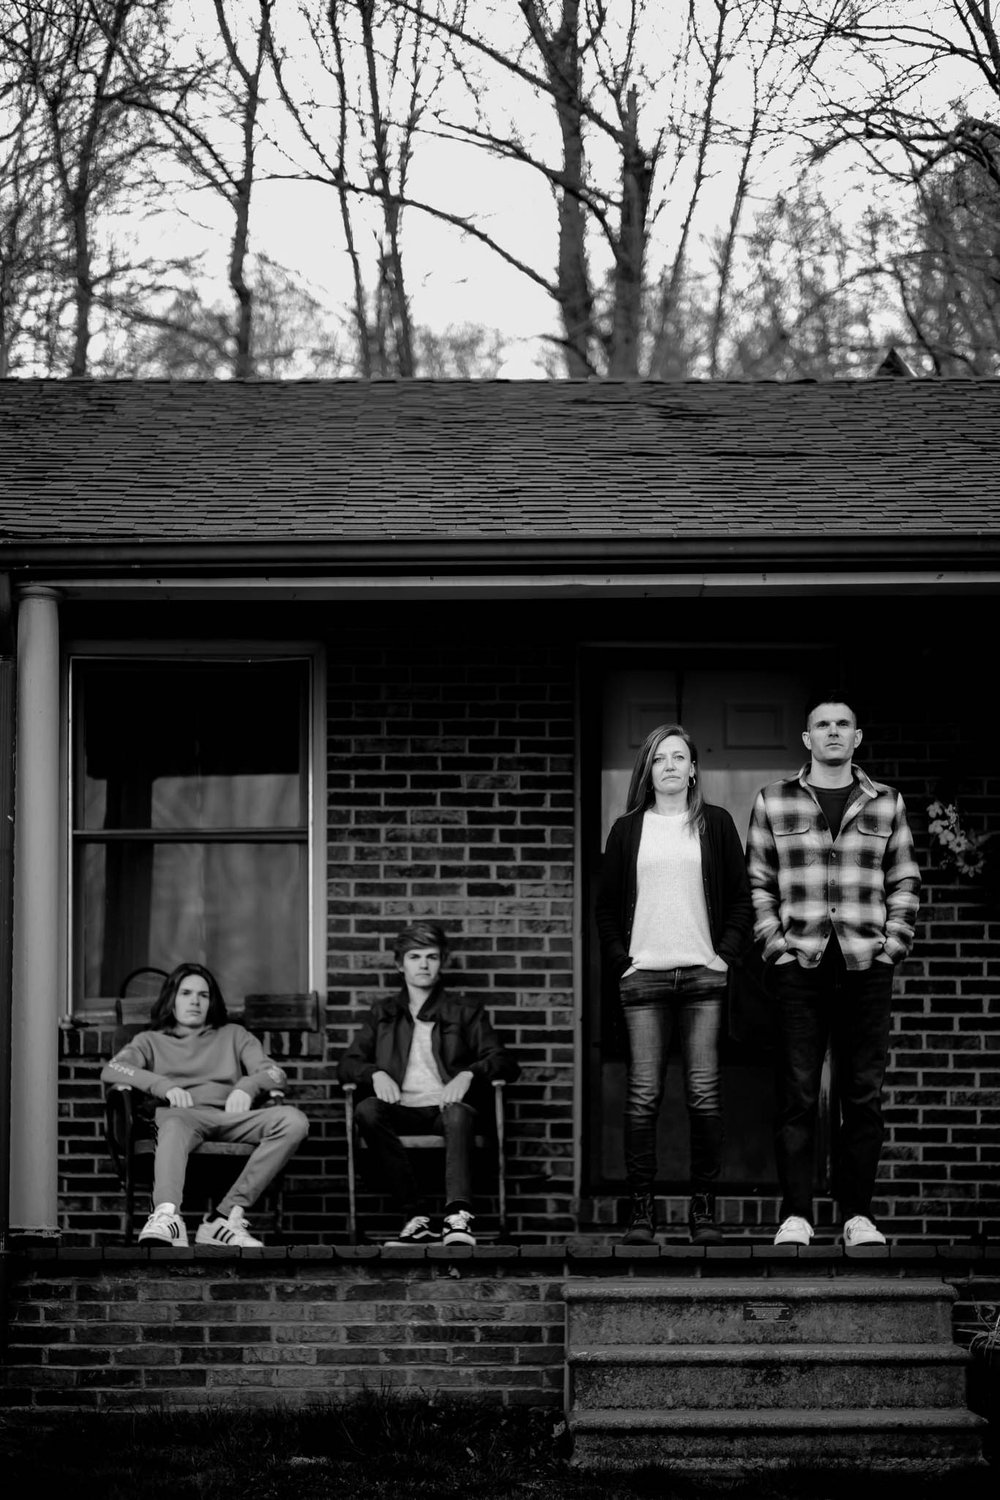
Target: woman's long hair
x=640 y=788
x=162 y=1017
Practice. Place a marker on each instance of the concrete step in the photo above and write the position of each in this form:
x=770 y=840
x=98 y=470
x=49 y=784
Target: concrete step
x=732 y=1377
x=735 y=1443
x=846 y=1310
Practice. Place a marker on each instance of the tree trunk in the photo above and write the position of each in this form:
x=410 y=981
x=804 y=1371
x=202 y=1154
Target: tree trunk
x=630 y=252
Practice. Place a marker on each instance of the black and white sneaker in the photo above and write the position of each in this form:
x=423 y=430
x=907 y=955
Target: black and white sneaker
x=416 y=1231
x=456 y=1228
x=231 y=1233
x=164 y=1227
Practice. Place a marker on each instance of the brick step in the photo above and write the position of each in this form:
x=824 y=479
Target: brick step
x=733 y=1377
x=759 y=1311
x=733 y=1443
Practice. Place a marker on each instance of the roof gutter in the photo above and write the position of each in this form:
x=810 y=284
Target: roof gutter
x=970 y=550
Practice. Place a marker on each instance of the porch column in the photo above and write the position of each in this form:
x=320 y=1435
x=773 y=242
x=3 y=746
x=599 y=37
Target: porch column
x=35 y=1009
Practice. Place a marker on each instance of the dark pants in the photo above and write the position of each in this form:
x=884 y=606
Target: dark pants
x=655 y=1002
x=382 y=1124
x=851 y=1009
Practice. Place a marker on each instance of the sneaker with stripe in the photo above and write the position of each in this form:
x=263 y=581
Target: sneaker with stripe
x=164 y=1227
x=416 y=1231
x=231 y=1233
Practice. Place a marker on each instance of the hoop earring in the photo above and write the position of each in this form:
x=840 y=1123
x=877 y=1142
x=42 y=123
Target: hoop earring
x=692 y=780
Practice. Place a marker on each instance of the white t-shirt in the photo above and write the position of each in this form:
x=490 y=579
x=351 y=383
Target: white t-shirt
x=422 y=1083
x=670 y=928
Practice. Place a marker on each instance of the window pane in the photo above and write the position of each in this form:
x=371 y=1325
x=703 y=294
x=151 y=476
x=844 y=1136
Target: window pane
x=239 y=908
x=194 y=745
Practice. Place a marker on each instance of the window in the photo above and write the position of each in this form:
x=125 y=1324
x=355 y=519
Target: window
x=190 y=821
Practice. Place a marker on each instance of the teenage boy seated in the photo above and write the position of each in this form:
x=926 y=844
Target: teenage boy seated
x=205 y=1072
x=420 y=1052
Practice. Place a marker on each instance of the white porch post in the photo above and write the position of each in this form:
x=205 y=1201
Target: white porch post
x=35 y=1012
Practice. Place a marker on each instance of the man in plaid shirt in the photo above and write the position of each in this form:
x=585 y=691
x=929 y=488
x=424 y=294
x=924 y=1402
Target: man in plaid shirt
x=835 y=891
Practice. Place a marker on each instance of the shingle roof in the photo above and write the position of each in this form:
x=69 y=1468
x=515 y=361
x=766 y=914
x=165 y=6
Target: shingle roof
x=352 y=461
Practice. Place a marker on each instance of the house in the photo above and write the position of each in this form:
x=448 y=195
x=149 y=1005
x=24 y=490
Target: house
x=295 y=662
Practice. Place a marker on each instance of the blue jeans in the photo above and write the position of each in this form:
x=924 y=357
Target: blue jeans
x=655 y=1001
x=852 y=1010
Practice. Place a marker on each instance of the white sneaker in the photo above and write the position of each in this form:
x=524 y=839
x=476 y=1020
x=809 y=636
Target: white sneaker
x=794 y=1231
x=456 y=1228
x=861 y=1231
x=232 y=1233
x=164 y=1227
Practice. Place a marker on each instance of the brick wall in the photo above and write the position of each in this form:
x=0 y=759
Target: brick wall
x=450 y=783
x=939 y=1172
x=113 y=1329
x=88 y=1334
x=451 y=791
x=451 y=794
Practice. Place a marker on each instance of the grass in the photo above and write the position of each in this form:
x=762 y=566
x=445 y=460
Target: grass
x=375 y=1447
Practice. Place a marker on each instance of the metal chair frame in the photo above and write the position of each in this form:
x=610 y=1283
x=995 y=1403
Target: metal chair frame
x=426 y=1143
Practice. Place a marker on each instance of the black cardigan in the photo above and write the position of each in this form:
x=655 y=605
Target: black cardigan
x=723 y=871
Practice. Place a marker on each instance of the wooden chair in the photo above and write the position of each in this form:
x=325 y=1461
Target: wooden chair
x=128 y=1112
x=483 y=1141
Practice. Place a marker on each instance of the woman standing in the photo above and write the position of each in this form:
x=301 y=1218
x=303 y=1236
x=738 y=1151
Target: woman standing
x=673 y=913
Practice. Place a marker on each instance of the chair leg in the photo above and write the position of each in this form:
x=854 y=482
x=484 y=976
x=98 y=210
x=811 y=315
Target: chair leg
x=352 y=1192
x=501 y=1163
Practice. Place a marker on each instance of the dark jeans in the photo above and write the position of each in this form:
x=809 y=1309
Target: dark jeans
x=654 y=1003
x=852 y=1009
x=382 y=1124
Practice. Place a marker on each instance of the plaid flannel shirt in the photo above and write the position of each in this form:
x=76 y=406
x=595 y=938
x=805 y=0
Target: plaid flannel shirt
x=864 y=885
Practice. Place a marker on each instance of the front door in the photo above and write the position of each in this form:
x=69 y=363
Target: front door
x=746 y=720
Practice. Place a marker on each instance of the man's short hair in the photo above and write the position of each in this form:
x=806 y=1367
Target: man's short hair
x=423 y=934
x=829 y=695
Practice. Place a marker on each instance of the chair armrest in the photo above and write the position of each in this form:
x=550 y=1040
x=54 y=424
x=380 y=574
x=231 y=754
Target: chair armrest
x=119 y=1124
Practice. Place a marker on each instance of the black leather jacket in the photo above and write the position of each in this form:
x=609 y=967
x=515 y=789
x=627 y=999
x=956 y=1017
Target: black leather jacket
x=462 y=1040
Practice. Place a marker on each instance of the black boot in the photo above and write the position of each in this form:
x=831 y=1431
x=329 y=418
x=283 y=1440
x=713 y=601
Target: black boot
x=640 y=1224
x=701 y=1220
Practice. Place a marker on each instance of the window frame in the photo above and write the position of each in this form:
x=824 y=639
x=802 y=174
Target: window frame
x=222 y=652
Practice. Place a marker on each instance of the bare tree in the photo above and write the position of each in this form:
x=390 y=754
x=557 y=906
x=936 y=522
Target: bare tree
x=29 y=229
x=916 y=99
x=295 y=337
x=211 y=118
x=623 y=111
x=911 y=83
x=813 y=302
x=377 y=66
x=946 y=270
x=83 y=66
x=464 y=352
